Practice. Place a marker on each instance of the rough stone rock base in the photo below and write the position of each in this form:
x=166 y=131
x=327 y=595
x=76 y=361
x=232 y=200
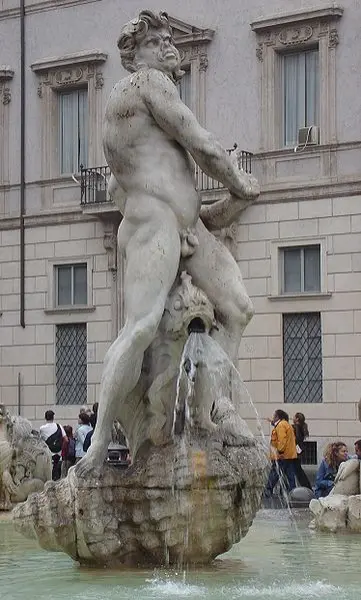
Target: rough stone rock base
x=337 y=513
x=184 y=503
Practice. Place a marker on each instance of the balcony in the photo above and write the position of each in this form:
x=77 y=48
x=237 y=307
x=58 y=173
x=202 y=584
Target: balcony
x=94 y=182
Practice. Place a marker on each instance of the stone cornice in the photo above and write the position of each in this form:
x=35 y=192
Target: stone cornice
x=43 y=219
x=77 y=58
x=13 y=13
x=326 y=14
x=291 y=192
x=285 y=152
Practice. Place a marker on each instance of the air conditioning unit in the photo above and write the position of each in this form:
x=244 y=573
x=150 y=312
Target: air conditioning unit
x=308 y=136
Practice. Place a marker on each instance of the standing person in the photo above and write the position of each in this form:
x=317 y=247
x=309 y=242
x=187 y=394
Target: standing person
x=283 y=448
x=301 y=433
x=53 y=435
x=149 y=136
x=67 y=451
x=358 y=449
x=335 y=454
x=94 y=415
x=80 y=435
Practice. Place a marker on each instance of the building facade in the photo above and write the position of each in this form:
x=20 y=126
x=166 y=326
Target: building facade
x=282 y=80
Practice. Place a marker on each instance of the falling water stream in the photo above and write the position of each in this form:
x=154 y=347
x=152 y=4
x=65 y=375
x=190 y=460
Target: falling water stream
x=201 y=348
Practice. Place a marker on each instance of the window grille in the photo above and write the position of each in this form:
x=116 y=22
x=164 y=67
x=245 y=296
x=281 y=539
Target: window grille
x=71 y=364
x=302 y=357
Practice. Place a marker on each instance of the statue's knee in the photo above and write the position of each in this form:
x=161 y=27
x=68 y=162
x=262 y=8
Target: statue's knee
x=148 y=328
x=248 y=310
x=242 y=311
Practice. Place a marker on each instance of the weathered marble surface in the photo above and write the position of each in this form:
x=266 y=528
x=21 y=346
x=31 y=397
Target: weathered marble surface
x=25 y=460
x=341 y=509
x=183 y=504
x=151 y=141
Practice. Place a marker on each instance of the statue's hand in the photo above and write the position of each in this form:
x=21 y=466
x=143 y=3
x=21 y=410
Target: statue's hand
x=251 y=187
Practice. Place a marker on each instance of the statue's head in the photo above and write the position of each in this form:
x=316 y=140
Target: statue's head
x=147 y=42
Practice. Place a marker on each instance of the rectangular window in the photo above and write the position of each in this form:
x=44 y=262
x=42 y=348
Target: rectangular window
x=71 y=284
x=300 y=75
x=309 y=454
x=301 y=269
x=71 y=364
x=302 y=357
x=73 y=130
x=184 y=87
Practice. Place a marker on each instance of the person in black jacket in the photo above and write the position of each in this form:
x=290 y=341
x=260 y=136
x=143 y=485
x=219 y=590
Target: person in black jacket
x=301 y=433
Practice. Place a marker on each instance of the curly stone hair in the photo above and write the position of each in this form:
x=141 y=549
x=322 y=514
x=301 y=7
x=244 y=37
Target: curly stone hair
x=331 y=454
x=135 y=31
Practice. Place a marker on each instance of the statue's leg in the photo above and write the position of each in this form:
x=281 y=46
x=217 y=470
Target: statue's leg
x=152 y=260
x=215 y=271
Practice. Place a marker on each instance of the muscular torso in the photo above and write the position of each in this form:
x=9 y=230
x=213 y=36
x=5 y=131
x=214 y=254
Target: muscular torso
x=153 y=170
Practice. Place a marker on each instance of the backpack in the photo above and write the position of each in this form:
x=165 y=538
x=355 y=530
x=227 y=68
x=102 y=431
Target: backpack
x=55 y=440
x=88 y=440
x=71 y=449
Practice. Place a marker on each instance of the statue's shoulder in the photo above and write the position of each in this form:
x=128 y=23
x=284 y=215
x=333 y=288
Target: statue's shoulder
x=150 y=78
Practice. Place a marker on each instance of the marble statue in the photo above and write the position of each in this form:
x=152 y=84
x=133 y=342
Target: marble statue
x=25 y=460
x=149 y=137
x=197 y=473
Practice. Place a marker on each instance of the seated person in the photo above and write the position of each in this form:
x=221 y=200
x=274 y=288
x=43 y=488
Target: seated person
x=335 y=454
x=357 y=450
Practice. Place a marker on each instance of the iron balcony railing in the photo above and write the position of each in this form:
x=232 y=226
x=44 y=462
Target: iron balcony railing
x=94 y=180
x=94 y=185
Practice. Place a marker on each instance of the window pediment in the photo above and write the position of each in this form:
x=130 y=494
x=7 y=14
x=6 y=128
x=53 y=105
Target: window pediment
x=69 y=60
x=286 y=19
x=298 y=29
x=189 y=35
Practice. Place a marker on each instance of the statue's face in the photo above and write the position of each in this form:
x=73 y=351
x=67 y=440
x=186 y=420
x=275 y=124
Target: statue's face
x=156 y=51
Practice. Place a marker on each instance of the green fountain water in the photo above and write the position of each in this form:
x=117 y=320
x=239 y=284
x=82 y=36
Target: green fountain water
x=279 y=558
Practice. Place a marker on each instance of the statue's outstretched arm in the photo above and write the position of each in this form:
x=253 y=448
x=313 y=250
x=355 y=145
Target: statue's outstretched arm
x=223 y=212
x=175 y=118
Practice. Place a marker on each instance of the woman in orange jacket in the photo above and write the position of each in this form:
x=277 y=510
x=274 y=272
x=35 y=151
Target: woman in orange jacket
x=283 y=453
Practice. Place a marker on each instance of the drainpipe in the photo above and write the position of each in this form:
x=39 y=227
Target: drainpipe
x=19 y=394
x=22 y=163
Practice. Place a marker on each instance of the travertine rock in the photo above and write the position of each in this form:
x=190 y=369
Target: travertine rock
x=354 y=513
x=330 y=513
x=184 y=503
x=341 y=509
x=347 y=481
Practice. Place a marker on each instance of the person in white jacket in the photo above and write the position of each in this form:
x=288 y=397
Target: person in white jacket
x=80 y=435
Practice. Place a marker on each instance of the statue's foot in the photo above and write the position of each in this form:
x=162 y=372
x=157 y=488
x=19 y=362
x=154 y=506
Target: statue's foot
x=91 y=464
x=204 y=425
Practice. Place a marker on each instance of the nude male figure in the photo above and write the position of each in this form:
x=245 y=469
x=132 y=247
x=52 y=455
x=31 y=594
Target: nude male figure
x=148 y=137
